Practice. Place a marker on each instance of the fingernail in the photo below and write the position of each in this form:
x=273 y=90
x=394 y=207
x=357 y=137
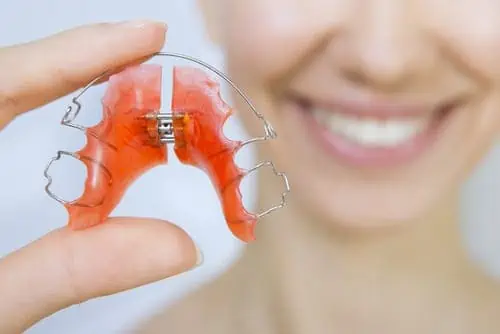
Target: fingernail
x=199 y=258
x=139 y=24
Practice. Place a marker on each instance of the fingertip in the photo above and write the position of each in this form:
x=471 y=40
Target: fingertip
x=143 y=24
x=170 y=237
x=150 y=34
x=129 y=40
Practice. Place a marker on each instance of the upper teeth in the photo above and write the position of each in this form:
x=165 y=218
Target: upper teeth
x=371 y=132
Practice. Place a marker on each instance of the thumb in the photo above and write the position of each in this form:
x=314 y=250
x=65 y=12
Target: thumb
x=67 y=267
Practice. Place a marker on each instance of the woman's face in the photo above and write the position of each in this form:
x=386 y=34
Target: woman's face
x=381 y=107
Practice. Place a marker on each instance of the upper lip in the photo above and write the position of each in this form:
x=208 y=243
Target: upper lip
x=373 y=107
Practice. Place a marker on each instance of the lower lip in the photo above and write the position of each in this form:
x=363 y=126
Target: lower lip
x=361 y=156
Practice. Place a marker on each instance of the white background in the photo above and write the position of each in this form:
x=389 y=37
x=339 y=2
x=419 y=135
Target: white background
x=25 y=147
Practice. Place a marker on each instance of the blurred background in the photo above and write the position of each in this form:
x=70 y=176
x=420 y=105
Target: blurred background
x=26 y=146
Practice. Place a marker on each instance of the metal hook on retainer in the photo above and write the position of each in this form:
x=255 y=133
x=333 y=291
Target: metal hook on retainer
x=80 y=158
x=283 y=194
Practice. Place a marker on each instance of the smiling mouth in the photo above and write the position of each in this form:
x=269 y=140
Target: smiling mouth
x=373 y=133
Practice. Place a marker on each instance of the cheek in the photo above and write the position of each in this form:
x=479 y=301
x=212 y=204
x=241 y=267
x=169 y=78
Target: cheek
x=484 y=126
x=256 y=37
x=265 y=39
x=471 y=31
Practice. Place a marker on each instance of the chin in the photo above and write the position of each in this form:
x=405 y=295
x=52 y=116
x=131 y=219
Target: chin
x=360 y=207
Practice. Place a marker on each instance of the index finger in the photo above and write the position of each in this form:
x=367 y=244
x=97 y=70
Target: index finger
x=38 y=72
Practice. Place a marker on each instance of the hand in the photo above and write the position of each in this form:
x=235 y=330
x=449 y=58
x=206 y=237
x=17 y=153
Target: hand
x=65 y=267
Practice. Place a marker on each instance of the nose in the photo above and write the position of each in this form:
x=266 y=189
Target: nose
x=383 y=46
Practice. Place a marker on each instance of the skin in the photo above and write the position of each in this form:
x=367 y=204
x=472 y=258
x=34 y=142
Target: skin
x=58 y=270
x=358 y=249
